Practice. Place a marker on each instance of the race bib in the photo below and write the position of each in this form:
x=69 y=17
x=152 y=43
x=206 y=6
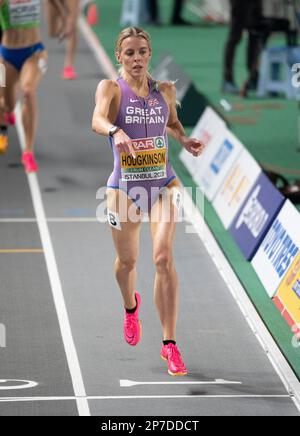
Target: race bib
x=24 y=12
x=150 y=162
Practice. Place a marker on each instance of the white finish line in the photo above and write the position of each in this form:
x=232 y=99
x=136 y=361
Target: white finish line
x=130 y=383
x=140 y=397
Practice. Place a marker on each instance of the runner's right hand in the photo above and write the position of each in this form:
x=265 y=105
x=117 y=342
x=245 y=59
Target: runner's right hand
x=124 y=144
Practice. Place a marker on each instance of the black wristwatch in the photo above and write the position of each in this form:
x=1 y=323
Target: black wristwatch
x=113 y=130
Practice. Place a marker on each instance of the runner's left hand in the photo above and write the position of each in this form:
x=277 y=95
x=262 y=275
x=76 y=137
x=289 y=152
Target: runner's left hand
x=193 y=146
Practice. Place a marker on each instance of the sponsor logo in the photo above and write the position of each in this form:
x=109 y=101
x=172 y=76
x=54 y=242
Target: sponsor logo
x=159 y=143
x=296 y=288
x=149 y=143
x=254 y=216
x=280 y=248
x=221 y=157
x=143 y=144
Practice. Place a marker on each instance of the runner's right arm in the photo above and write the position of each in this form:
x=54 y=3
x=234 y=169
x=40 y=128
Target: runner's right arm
x=106 y=93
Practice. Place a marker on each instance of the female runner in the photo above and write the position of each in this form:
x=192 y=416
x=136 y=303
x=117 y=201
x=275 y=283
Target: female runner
x=137 y=107
x=54 y=25
x=25 y=61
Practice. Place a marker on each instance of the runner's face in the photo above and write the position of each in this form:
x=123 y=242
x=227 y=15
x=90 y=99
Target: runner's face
x=135 y=56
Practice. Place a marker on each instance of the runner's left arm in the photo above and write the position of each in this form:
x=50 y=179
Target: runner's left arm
x=175 y=128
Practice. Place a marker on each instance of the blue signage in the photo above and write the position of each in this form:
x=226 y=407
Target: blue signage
x=256 y=216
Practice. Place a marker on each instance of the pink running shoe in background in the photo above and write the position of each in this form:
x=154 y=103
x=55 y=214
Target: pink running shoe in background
x=132 y=325
x=171 y=354
x=92 y=15
x=69 y=73
x=10 y=118
x=29 y=162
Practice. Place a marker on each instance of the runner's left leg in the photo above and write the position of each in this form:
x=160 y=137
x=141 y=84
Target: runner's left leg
x=166 y=296
x=164 y=216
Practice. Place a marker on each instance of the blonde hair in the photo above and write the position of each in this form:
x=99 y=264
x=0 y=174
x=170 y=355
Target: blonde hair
x=130 y=32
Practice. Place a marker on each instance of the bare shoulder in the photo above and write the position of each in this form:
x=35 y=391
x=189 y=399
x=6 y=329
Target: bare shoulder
x=107 y=85
x=168 y=89
x=107 y=88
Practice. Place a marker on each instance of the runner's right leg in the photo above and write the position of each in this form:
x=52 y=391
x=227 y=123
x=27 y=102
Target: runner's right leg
x=69 y=72
x=126 y=242
x=126 y=236
x=10 y=91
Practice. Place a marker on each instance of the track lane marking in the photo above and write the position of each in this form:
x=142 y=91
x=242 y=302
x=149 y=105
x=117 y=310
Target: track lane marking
x=131 y=383
x=55 y=282
x=141 y=397
x=22 y=251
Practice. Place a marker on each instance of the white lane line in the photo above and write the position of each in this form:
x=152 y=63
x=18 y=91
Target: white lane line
x=72 y=220
x=63 y=318
x=278 y=361
x=17 y=220
x=97 y=49
x=49 y=220
x=131 y=383
x=141 y=397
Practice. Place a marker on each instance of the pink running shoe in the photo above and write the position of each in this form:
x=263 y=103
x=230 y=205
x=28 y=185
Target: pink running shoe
x=10 y=118
x=29 y=162
x=69 y=73
x=171 y=354
x=132 y=325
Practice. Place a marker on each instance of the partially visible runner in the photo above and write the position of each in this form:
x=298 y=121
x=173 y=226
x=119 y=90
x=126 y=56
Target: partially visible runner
x=25 y=60
x=3 y=128
x=54 y=25
x=135 y=112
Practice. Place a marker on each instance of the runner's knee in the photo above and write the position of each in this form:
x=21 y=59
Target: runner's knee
x=163 y=260
x=126 y=266
x=28 y=91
